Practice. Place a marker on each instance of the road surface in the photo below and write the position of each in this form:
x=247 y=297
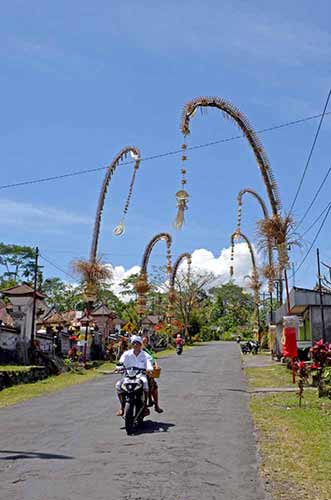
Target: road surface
x=70 y=445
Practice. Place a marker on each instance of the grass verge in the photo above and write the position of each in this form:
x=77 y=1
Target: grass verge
x=294 y=442
x=15 y=368
x=269 y=376
x=23 y=392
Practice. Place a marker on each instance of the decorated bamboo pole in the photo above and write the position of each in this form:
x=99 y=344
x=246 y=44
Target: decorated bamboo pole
x=172 y=293
x=120 y=228
x=254 y=278
x=269 y=270
x=92 y=271
x=142 y=286
x=276 y=227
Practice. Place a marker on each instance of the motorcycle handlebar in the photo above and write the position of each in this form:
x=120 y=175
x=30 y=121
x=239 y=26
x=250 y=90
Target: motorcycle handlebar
x=123 y=369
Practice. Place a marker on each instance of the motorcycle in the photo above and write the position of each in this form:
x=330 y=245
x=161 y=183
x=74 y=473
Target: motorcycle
x=179 y=349
x=134 y=398
x=250 y=347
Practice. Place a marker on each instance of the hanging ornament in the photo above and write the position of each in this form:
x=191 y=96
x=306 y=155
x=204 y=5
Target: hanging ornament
x=182 y=195
x=120 y=228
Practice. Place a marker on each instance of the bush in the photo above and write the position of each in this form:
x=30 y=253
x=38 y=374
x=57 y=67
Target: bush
x=228 y=336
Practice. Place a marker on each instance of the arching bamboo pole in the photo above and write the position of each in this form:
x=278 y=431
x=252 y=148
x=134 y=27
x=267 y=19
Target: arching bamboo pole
x=135 y=153
x=276 y=227
x=142 y=286
x=254 y=278
x=269 y=271
x=172 y=293
x=92 y=271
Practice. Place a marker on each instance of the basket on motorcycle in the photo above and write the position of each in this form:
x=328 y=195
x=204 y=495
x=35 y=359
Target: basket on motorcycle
x=156 y=372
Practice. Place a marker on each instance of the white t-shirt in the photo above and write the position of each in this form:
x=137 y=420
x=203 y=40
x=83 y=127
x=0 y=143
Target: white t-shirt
x=143 y=360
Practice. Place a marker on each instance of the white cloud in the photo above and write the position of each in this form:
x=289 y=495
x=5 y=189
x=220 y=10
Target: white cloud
x=204 y=260
x=32 y=216
x=120 y=274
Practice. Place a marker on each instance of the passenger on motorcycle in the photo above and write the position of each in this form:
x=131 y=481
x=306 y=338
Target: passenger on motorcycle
x=135 y=357
x=153 y=387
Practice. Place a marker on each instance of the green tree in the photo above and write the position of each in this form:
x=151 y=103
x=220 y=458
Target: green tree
x=63 y=296
x=17 y=265
x=231 y=308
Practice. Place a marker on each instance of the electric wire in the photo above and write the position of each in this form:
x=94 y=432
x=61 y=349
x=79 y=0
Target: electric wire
x=161 y=155
x=313 y=242
x=316 y=220
x=310 y=152
x=58 y=267
x=314 y=199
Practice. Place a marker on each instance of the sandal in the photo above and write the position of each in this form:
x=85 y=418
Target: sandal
x=158 y=410
x=146 y=412
x=120 y=413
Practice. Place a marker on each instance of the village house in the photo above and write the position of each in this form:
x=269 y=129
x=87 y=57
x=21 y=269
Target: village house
x=305 y=304
x=21 y=298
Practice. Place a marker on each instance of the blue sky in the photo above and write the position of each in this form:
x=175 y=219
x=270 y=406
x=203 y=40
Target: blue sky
x=80 y=80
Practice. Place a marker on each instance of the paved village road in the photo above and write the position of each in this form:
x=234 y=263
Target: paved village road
x=70 y=446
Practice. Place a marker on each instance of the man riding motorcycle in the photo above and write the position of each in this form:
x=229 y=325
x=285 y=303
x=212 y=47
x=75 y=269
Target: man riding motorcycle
x=135 y=357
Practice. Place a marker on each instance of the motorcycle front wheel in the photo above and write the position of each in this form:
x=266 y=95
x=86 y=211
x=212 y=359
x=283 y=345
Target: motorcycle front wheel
x=129 y=418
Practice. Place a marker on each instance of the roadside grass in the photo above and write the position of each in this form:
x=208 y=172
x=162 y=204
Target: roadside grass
x=15 y=368
x=269 y=376
x=23 y=392
x=294 y=442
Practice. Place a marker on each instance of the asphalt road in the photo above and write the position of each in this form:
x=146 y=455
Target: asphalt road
x=70 y=445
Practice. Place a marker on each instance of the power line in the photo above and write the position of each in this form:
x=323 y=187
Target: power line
x=58 y=268
x=313 y=242
x=311 y=152
x=314 y=199
x=160 y=155
x=316 y=220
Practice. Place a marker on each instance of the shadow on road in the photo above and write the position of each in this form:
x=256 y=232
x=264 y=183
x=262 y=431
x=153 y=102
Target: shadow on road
x=234 y=390
x=149 y=427
x=19 y=455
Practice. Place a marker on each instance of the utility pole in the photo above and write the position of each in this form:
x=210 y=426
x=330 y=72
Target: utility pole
x=293 y=274
x=321 y=295
x=35 y=281
x=287 y=293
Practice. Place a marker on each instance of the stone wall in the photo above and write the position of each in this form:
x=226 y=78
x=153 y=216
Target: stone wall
x=33 y=374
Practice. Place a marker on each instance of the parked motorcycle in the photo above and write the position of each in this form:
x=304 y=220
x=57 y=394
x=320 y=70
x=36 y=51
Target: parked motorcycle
x=134 y=398
x=250 y=347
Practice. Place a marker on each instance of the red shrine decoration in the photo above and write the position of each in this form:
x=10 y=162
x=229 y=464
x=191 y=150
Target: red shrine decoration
x=289 y=340
x=290 y=349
